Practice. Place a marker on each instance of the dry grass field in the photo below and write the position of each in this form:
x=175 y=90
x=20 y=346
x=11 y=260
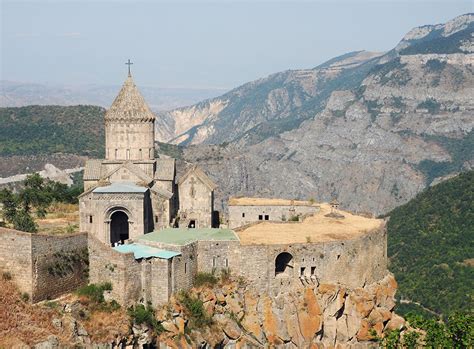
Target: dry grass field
x=60 y=219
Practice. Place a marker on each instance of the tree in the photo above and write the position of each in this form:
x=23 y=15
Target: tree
x=10 y=204
x=35 y=194
x=24 y=222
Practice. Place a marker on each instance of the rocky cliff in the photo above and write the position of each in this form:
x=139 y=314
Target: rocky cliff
x=370 y=129
x=325 y=315
x=227 y=314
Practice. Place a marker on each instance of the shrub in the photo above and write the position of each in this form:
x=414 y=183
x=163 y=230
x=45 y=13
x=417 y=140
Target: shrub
x=25 y=297
x=6 y=275
x=225 y=275
x=203 y=278
x=145 y=315
x=294 y=219
x=94 y=292
x=198 y=318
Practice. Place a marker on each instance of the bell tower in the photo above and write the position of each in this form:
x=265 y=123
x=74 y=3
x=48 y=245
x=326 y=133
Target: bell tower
x=130 y=127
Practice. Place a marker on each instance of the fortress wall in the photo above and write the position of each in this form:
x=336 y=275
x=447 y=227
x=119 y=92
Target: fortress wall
x=218 y=255
x=59 y=264
x=120 y=269
x=352 y=263
x=275 y=213
x=185 y=267
x=15 y=257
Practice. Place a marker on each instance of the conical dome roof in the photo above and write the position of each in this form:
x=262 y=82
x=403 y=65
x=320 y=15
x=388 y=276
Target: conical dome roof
x=129 y=105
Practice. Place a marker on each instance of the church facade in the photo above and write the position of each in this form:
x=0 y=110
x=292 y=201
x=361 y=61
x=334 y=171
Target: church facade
x=131 y=192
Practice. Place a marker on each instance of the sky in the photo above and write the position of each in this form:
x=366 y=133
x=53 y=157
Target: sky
x=197 y=44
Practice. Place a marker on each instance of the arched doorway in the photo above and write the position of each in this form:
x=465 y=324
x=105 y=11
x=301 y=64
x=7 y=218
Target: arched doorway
x=119 y=227
x=283 y=265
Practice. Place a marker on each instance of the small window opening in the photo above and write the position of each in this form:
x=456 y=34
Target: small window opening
x=267 y=217
x=260 y=217
x=214 y=262
x=156 y=219
x=313 y=270
x=116 y=153
x=192 y=224
x=226 y=263
x=338 y=256
x=185 y=267
x=243 y=214
x=128 y=154
x=302 y=271
x=90 y=219
x=140 y=153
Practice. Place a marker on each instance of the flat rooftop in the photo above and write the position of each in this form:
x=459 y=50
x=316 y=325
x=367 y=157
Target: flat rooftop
x=247 y=201
x=316 y=228
x=143 y=251
x=121 y=187
x=183 y=236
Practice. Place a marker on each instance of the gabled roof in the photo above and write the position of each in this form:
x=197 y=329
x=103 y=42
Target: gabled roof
x=92 y=170
x=129 y=104
x=199 y=174
x=132 y=168
x=161 y=192
x=165 y=169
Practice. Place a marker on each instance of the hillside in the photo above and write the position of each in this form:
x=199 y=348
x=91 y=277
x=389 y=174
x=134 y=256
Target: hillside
x=403 y=120
x=431 y=247
x=371 y=129
x=52 y=129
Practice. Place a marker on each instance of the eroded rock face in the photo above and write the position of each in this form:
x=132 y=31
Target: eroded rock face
x=301 y=317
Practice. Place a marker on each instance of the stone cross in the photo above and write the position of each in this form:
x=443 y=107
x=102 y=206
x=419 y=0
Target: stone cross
x=192 y=192
x=129 y=64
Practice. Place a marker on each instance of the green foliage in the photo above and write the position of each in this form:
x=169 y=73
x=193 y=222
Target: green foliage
x=461 y=150
x=435 y=65
x=198 y=317
x=65 y=263
x=431 y=105
x=95 y=293
x=24 y=222
x=25 y=297
x=175 y=151
x=456 y=332
x=429 y=240
x=36 y=193
x=145 y=315
x=203 y=278
x=295 y=218
x=34 y=130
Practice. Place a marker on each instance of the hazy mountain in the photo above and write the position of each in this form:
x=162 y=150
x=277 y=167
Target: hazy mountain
x=371 y=129
x=16 y=94
x=373 y=134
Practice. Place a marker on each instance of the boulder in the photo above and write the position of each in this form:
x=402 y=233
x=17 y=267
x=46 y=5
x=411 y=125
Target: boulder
x=170 y=327
x=309 y=315
x=229 y=326
x=395 y=323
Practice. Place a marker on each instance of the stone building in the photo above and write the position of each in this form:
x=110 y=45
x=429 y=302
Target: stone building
x=244 y=210
x=196 y=199
x=131 y=192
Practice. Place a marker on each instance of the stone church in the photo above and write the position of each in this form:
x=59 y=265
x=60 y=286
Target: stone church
x=130 y=192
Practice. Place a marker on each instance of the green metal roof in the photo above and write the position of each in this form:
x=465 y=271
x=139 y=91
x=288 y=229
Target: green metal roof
x=183 y=236
x=121 y=187
x=143 y=251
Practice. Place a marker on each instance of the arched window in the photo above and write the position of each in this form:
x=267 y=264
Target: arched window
x=283 y=264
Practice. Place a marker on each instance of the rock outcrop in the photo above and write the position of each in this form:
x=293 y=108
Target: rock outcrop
x=323 y=316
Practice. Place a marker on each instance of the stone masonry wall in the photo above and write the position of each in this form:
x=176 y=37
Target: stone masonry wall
x=15 y=257
x=240 y=215
x=352 y=262
x=44 y=266
x=147 y=280
x=60 y=264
